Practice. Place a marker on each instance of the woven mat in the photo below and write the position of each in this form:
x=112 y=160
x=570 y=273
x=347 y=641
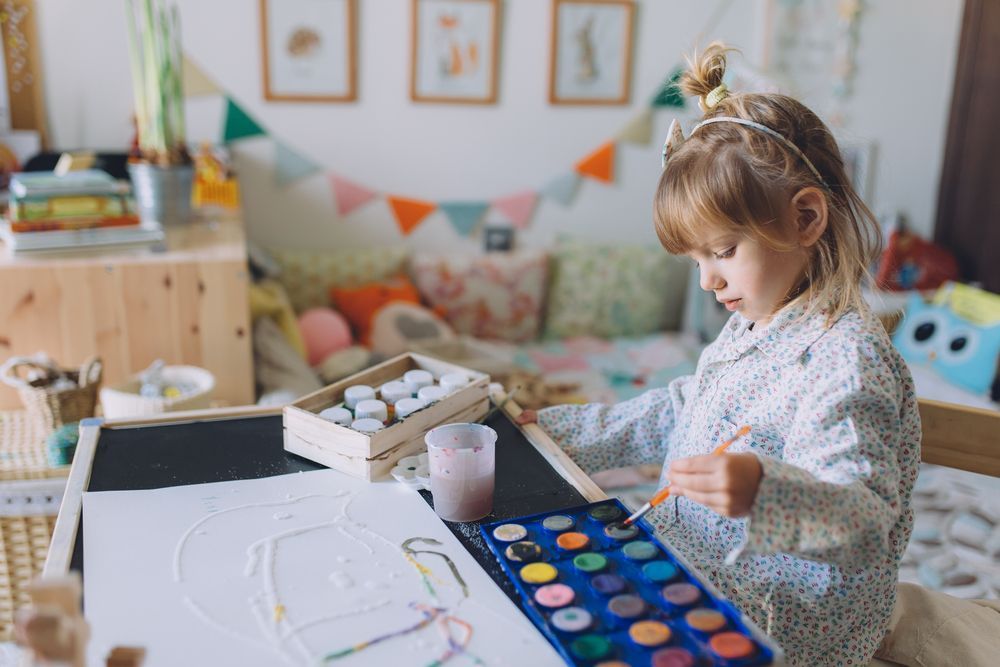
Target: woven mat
x=24 y=536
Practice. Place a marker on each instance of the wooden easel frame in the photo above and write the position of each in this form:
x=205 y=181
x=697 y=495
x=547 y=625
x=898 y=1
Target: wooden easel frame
x=68 y=522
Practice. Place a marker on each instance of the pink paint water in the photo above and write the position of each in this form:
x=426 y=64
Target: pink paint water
x=465 y=499
x=461 y=463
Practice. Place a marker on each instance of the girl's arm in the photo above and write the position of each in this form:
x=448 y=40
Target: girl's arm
x=847 y=465
x=634 y=432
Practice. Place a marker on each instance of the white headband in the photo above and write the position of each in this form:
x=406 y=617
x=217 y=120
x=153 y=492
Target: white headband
x=675 y=138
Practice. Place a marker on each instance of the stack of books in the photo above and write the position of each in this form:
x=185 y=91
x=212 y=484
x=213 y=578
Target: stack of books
x=79 y=209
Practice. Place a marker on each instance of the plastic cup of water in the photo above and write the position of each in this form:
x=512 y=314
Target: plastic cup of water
x=462 y=462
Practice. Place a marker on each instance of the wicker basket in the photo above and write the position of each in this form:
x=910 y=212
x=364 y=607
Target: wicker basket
x=124 y=400
x=50 y=408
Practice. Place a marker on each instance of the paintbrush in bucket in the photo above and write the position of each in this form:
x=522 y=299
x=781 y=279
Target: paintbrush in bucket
x=664 y=493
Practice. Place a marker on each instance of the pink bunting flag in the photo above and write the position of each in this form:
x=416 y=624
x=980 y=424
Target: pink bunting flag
x=349 y=195
x=518 y=208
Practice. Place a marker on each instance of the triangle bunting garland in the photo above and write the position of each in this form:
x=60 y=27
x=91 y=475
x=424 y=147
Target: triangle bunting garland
x=518 y=207
x=196 y=82
x=349 y=195
x=464 y=216
x=410 y=212
x=670 y=94
x=563 y=188
x=600 y=164
x=238 y=124
x=639 y=130
x=291 y=166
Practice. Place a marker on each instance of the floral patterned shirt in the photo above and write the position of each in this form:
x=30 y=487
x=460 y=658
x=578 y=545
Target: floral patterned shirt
x=834 y=422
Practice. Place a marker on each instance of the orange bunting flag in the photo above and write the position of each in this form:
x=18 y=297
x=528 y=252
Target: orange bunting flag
x=600 y=164
x=410 y=212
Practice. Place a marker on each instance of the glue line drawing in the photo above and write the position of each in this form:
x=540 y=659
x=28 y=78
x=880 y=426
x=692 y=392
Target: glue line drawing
x=280 y=624
x=410 y=552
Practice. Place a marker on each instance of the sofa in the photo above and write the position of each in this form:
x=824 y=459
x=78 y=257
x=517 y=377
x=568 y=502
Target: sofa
x=594 y=322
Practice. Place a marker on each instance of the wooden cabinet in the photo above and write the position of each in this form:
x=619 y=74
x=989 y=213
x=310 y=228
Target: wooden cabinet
x=186 y=303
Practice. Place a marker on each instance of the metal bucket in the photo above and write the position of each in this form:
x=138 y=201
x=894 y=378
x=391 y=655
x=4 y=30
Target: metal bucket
x=162 y=194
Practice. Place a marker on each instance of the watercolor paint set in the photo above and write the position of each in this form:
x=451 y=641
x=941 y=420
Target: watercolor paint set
x=609 y=594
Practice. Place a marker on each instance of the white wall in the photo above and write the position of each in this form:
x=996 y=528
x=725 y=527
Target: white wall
x=905 y=72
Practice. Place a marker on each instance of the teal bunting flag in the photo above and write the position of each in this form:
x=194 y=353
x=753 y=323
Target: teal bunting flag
x=238 y=124
x=670 y=94
x=464 y=216
x=291 y=166
x=563 y=188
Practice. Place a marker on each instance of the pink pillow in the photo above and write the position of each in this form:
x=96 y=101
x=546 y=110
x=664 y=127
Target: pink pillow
x=497 y=295
x=324 y=331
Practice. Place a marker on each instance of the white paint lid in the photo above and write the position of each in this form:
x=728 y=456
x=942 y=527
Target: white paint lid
x=452 y=381
x=431 y=394
x=407 y=406
x=356 y=393
x=395 y=390
x=338 y=415
x=372 y=408
x=367 y=425
x=418 y=378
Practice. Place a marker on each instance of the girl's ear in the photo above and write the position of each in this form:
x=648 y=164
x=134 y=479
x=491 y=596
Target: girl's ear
x=810 y=215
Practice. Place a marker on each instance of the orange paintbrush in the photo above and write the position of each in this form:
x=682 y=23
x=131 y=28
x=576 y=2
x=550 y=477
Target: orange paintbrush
x=664 y=493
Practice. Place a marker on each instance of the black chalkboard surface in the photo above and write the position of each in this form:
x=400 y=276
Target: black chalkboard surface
x=222 y=450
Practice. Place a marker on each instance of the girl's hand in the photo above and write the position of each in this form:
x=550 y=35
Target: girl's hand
x=724 y=483
x=527 y=417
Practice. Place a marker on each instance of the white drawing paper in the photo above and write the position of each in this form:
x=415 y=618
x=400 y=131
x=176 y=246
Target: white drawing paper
x=304 y=569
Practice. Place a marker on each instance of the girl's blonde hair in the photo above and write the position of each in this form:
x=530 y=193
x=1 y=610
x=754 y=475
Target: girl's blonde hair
x=732 y=176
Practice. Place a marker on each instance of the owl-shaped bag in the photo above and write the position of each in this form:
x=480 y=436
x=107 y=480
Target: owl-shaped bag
x=963 y=352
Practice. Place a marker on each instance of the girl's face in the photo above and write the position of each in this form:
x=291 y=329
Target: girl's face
x=746 y=275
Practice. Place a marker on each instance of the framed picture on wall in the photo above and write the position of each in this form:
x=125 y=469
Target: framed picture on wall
x=591 y=54
x=455 y=51
x=308 y=50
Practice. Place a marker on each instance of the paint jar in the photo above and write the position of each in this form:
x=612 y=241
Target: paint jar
x=431 y=394
x=462 y=462
x=417 y=379
x=337 y=415
x=453 y=381
x=367 y=425
x=357 y=393
x=394 y=391
x=407 y=406
x=372 y=409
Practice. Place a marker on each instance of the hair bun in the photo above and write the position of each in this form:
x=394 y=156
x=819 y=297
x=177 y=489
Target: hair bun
x=705 y=71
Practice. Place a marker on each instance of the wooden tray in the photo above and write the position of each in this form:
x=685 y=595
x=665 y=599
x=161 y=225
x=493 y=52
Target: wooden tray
x=372 y=456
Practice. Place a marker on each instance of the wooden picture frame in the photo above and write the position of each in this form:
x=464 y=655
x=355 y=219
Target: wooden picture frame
x=22 y=75
x=455 y=51
x=308 y=50
x=590 y=58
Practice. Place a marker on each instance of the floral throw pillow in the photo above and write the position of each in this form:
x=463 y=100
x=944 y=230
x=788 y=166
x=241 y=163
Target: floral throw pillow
x=497 y=295
x=308 y=276
x=611 y=291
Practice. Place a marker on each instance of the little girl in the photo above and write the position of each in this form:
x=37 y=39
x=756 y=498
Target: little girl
x=801 y=523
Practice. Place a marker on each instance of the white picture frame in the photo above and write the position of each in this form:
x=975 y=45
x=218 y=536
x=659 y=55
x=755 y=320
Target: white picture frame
x=308 y=50
x=590 y=59
x=455 y=51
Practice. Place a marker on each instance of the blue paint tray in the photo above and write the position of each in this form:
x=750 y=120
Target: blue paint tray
x=603 y=593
